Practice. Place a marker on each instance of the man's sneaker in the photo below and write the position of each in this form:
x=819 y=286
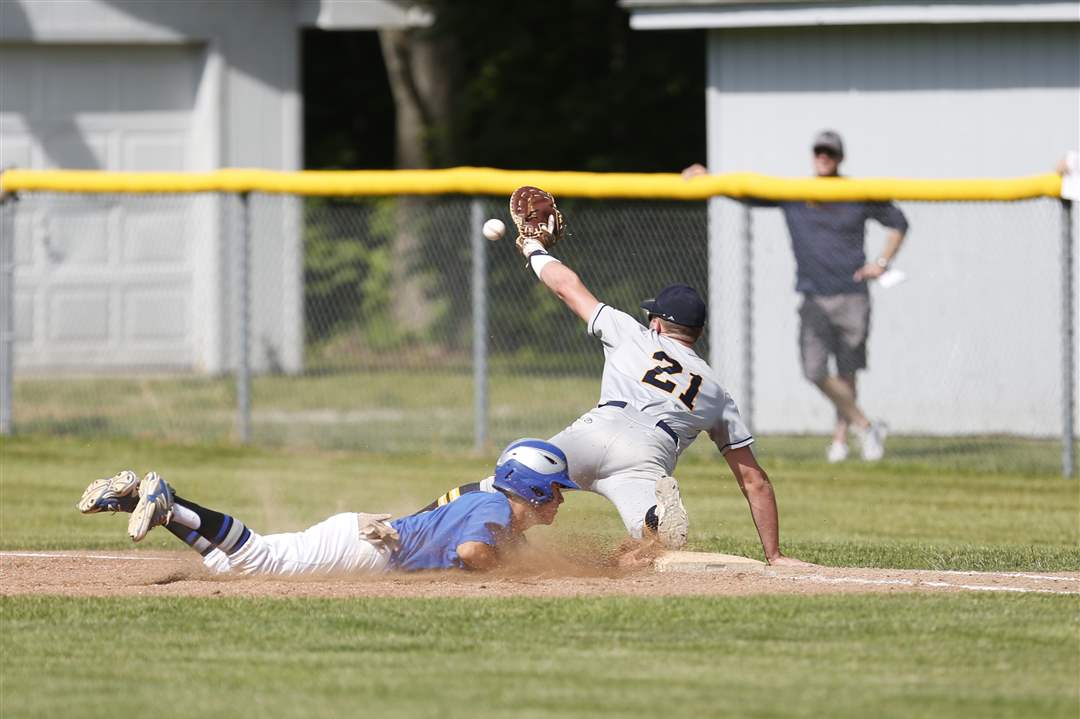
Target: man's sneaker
x=673 y=524
x=873 y=441
x=837 y=452
x=118 y=493
x=155 y=506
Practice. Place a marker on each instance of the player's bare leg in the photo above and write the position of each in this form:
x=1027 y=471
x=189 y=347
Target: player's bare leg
x=842 y=391
x=838 y=449
x=840 y=430
x=842 y=394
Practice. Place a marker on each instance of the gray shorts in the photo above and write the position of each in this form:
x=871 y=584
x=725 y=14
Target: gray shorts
x=833 y=325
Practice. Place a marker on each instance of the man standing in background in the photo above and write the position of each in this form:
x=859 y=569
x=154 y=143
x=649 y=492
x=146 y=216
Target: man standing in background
x=832 y=270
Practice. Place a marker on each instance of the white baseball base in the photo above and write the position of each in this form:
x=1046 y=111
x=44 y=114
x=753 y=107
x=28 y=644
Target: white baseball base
x=705 y=562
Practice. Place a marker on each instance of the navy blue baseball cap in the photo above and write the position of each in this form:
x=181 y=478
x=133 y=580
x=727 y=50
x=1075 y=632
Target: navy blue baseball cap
x=678 y=303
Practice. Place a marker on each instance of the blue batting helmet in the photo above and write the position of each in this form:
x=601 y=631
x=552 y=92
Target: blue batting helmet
x=529 y=467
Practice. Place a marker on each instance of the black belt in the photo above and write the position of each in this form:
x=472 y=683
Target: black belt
x=661 y=424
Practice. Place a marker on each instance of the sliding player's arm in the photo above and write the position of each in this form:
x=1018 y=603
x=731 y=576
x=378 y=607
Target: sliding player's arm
x=477 y=556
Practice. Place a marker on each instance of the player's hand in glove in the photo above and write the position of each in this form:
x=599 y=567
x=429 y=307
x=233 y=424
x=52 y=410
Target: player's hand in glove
x=539 y=223
x=375 y=529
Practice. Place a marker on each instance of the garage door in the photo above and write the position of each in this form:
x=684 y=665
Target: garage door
x=101 y=281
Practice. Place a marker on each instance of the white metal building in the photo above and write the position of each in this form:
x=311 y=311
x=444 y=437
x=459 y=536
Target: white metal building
x=971 y=342
x=165 y=86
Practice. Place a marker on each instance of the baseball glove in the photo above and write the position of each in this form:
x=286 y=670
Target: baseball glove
x=536 y=216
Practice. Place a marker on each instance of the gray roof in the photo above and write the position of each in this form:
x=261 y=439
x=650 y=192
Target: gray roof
x=685 y=14
x=697 y=4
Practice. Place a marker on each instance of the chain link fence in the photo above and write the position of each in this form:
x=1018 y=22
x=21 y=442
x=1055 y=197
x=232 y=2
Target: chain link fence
x=390 y=324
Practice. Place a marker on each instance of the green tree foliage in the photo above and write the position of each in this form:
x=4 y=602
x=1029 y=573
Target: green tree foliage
x=558 y=85
x=567 y=85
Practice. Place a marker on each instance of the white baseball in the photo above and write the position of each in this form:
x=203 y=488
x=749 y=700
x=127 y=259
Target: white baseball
x=494 y=230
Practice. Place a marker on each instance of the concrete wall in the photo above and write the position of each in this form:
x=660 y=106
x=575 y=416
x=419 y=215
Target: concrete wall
x=971 y=342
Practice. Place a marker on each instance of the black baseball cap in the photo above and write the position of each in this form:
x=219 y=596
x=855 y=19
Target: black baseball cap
x=829 y=140
x=678 y=303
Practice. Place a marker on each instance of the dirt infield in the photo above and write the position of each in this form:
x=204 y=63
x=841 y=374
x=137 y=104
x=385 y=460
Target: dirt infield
x=180 y=574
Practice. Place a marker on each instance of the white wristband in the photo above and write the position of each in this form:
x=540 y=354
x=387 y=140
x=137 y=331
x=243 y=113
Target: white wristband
x=538 y=261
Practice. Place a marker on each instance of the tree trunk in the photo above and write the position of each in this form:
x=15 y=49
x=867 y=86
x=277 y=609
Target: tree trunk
x=419 y=70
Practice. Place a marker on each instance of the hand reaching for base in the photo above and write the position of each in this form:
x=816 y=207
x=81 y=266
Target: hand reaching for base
x=783 y=561
x=637 y=554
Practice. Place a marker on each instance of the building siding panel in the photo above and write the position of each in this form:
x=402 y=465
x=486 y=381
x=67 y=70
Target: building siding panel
x=971 y=342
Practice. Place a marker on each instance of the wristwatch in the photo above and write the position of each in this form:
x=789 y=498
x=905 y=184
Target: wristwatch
x=882 y=263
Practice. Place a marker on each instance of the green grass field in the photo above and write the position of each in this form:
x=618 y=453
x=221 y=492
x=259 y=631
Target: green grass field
x=906 y=655
x=881 y=656
x=391 y=411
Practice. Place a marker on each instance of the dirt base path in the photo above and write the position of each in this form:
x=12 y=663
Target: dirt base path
x=180 y=574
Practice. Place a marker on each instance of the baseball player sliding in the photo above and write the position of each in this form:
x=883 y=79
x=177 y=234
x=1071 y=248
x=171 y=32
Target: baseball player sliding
x=656 y=396
x=475 y=533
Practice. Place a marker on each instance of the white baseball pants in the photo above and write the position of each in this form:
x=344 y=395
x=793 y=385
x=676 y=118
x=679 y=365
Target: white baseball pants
x=333 y=546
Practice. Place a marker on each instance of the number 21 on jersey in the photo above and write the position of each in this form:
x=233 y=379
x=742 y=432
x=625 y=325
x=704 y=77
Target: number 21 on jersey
x=672 y=367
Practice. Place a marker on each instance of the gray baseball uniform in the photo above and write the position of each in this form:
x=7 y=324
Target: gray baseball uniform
x=656 y=396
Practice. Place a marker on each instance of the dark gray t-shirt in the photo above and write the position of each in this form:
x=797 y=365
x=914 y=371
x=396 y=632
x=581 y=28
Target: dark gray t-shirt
x=828 y=239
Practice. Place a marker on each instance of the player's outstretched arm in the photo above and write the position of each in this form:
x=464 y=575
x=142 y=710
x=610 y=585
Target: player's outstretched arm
x=568 y=287
x=540 y=226
x=477 y=556
x=757 y=489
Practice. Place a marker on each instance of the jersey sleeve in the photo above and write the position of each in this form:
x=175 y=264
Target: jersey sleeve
x=612 y=326
x=889 y=215
x=485 y=520
x=729 y=431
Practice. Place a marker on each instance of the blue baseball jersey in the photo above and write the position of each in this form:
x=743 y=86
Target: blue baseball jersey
x=429 y=540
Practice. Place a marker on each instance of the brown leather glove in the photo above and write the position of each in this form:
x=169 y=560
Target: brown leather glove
x=536 y=216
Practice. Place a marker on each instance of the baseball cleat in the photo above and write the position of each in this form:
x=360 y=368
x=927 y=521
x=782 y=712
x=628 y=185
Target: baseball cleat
x=873 y=442
x=118 y=493
x=154 y=509
x=673 y=524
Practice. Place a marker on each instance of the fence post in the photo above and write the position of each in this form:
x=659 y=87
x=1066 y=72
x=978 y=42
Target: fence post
x=479 y=316
x=713 y=301
x=746 y=402
x=7 y=310
x=243 y=320
x=1068 y=343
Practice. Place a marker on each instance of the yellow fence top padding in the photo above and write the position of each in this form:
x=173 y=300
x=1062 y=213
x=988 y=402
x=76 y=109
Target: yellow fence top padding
x=486 y=181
